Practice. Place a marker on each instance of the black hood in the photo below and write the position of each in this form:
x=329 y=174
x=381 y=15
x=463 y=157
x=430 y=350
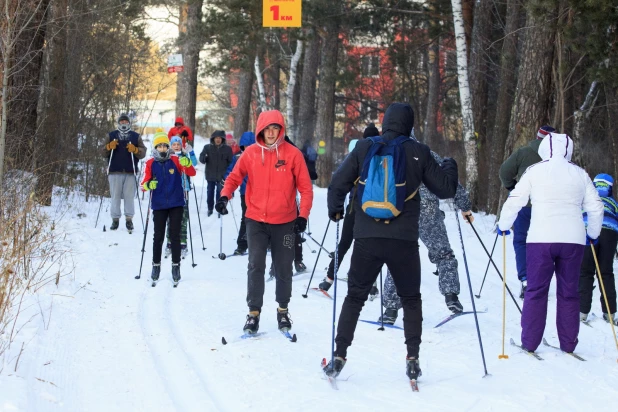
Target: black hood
x=398 y=121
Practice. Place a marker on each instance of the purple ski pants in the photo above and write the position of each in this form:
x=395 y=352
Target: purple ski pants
x=543 y=259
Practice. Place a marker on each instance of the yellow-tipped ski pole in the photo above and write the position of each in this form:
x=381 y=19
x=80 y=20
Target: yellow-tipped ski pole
x=503 y=355
x=611 y=323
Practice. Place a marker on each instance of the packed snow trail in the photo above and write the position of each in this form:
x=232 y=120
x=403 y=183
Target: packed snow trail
x=111 y=342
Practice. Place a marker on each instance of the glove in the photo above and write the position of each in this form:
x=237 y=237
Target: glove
x=502 y=232
x=112 y=145
x=300 y=225
x=221 y=204
x=185 y=161
x=336 y=215
x=448 y=161
x=591 y=241
x=132 y=148
x=184 y=133
x=188 y=148
x=151 y=185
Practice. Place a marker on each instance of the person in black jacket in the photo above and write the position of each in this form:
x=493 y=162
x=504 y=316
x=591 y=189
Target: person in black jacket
x=217 y=156
x=394 y=244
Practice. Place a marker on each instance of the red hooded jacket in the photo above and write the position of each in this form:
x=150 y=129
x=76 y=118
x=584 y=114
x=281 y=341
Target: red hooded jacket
x=177 y=131
x=275 y=174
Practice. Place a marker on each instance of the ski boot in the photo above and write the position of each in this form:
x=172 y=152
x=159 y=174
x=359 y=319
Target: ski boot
x=300 y=267
x=209 y=213
x=373 y=293
x=156 y=271
x=453 y=303
x=390 y=316
x=583 y=317
x=240 y=251
x=333 y=370
x=129 y=224
x=524 y=286
x=413 y=370
x=606 y=318
x=184 y=251
x=176 y=273
x=284 y=320
x=253 y=323
x=326 y=284
x=115 y=224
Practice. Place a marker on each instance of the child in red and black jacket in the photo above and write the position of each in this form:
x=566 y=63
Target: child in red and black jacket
x=163 y=176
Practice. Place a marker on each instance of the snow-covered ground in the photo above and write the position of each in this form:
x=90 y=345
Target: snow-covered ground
x=104 y=341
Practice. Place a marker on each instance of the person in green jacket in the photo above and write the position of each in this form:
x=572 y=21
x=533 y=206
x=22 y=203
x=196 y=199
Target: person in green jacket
x=510 y=173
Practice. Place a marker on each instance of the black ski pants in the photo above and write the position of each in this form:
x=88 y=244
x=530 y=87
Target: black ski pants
x=160 y=218
x=605 y=250
x=241 y=242
x=281 y=240
x=347 y=236
x=402 y=259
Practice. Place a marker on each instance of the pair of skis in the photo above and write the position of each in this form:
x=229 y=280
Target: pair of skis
x=286 y=333
x=536 y=356
x=332 y=380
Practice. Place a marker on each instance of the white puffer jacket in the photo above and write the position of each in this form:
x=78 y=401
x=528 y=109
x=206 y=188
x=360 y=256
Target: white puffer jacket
x=558 y=190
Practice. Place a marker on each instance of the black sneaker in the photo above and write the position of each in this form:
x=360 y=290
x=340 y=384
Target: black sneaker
x=176 y=271
x=209 y=213
x=413 y=369
x=156 y=271
x=300 y=267
x=252 y=325
x=284 y=320
x=115 y=224
x=524 y=286
x=453 y=303
x=240 y=251
x=333 y=370
x=326 y=284
x=130 y=225
x=390 y=316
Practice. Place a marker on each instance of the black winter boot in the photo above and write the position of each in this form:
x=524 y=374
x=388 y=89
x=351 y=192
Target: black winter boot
x=156 y=271
x=284 y=320
x=115 y=224
x=453 y=303
x=326 y=284
x=334 y=369
x=176 y=272
x=390 y=316
x=253 y=323
x=300 y=267
x=130 y=224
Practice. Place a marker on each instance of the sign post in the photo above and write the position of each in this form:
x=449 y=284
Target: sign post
x=174 y=63
x=282 y=13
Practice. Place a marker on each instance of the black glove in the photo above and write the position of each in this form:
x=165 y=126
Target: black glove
x=300 y=225
x=335 y=215
x=449 y=162
x=221 y=204
x=184 y=133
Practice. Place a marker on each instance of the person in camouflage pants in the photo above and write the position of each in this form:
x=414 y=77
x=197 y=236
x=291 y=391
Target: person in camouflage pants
x=433 y=234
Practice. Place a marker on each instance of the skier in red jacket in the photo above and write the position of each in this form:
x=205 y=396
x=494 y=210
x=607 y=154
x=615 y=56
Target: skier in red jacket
x=276 y=171
x=183 y=131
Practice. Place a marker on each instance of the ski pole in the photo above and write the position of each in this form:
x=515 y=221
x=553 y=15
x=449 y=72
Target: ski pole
x=487 y=268
x=611 y=321
x=193 y=264
x=98 y=213
x=308 y=227
x=330 y=254
x=221 y=254
x=503 y=355
x=144 y=241
x=141 y=215
x=381 y=302
x=305 y=242
x=476 y=320
x=332 y=342
x=110 y=159
x=316 y=260
x=199 y=220
x=494 y=264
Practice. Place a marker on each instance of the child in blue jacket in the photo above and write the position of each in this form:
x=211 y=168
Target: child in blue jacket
x=163 y=176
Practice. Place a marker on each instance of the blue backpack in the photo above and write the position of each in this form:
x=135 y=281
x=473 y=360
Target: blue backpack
x=382 y=183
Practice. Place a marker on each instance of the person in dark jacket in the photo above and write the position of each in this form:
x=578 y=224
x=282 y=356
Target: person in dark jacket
x=163 y=176
x=124 y=149
x=311 y=157
x=394 y=244
x=217 y=156
x=510 y=173
x=605 y=250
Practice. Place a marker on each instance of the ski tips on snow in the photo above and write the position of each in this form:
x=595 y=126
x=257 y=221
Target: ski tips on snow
x=223 y=341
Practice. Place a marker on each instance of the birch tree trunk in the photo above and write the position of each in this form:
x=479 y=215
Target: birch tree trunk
x=260 y=83
x=190 y=42
x=290 y=92
x=466 y=104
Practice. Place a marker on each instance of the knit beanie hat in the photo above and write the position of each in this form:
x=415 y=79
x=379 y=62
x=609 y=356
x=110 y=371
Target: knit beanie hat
x=370 y=131
x=160 y=137
x=604 y=183
x=544 y=131
x=175 y=139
